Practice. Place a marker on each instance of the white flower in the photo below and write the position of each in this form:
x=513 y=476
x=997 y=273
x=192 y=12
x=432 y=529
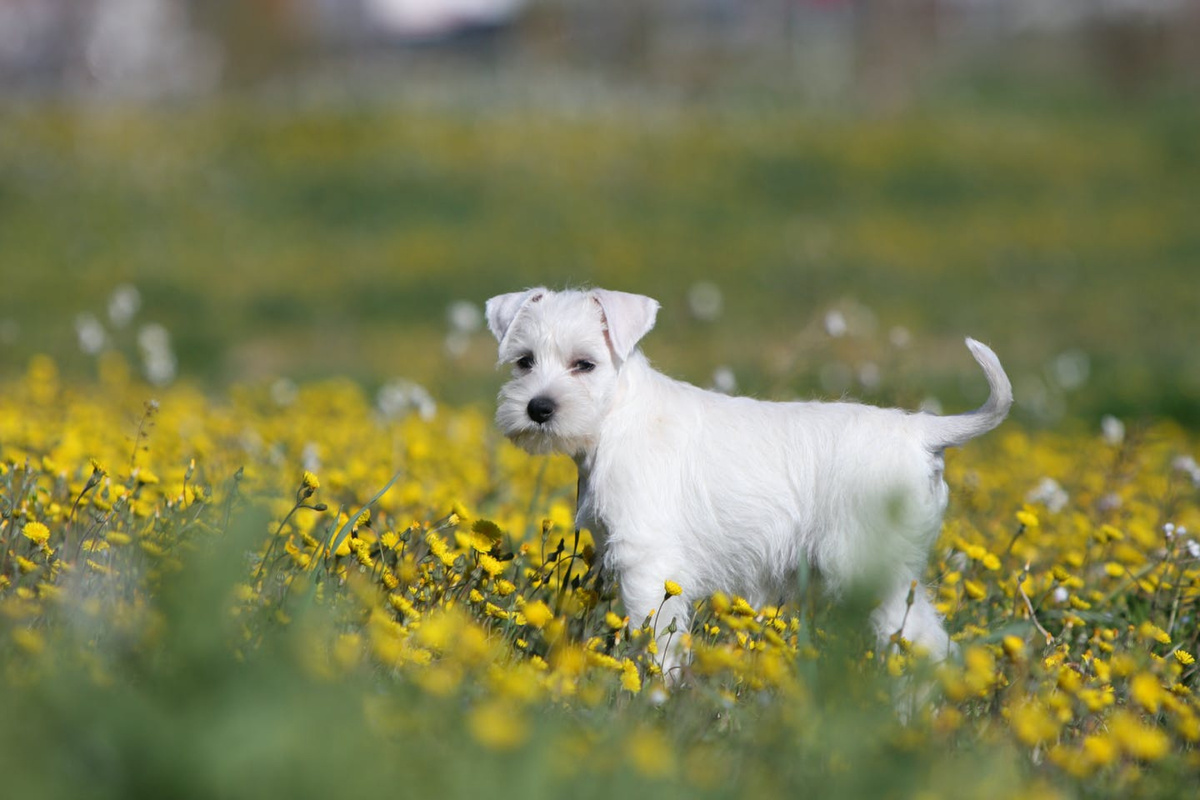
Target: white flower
x=1071 y=369
x=401 y=396
x=284 y=393
x=724 y=381
x=835 y=324
x=1050 y=494
x=123 y=304
x=92 y=337
x=1112 y=429
x=705 y=301
x=158 y=362
x=464 y=316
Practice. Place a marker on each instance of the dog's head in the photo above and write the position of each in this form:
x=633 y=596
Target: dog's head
x=566 y=350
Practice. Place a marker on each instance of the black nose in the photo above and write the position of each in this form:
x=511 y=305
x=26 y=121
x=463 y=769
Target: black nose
x=541 y=409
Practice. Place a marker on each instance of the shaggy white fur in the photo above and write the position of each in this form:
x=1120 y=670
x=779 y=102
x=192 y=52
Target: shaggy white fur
x=723 y=493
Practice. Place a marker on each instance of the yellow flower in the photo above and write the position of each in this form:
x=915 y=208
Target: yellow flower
x=1145 y=689
x=309 y=482
x=1149 y=631
x=1100 y=751
x=1032 y=724
x=29 y=641
x=673 y=589
x=742 y=607
x=1138 y=740
x=1184 y=657
x=537 y=614
x=498 y=725
x=36 y=532
x=1014 y=648
x=615 y=622
x=492 y=566
x=650 y=753
x=1028 y=518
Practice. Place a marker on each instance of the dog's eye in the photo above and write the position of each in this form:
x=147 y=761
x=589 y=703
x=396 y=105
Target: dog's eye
x=525 y=362
x=583 y=365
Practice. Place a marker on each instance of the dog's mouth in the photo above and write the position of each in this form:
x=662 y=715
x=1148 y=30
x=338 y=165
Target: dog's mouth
x=538 y=439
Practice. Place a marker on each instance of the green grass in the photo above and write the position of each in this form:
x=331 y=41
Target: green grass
x=310 y=243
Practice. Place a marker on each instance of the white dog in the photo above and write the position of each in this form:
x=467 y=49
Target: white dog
x=723 y=493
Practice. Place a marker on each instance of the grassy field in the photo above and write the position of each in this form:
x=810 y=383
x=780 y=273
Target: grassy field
x=309 y=244
x=186 y=612
x=287 y=574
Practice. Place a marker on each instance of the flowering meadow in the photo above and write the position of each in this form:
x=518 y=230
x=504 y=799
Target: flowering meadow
x=250 y=594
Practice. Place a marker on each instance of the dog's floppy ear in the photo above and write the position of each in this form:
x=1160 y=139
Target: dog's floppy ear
x=502 y=309
x=628 y=318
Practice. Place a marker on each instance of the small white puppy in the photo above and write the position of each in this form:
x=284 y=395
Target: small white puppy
x=723 y=493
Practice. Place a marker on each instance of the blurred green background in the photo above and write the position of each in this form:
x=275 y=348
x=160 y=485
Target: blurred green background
x=825 y=197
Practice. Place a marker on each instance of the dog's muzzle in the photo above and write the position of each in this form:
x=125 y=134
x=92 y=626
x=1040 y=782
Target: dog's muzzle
x=541 y=409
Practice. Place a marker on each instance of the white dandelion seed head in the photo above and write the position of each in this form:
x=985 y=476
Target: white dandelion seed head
x=835 y=324
x=464 y=317
x=158 y=361
x=705 y=301
x=724 y=381
x=123 y=304
x=284 y=392
x=310 y=457
x=91 y=334
x=401 y=397
x=1050 y=494
x=1112 y=429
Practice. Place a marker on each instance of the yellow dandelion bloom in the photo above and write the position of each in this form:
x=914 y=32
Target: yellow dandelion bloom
x=1138 y=740
x=615 y=622
x=1028 y=518
x=631 y=679
x=309 y=482
x=1014 y=648
x=492 y=566
x=1146 y=691
x=720 y=603
x=1100 y=751
x=1032 y=724
x=1151 y=632
x=36 y=532
x=742 y=607
x=1184 y=657
x=498 y=725
x=537 y=614
x=650 y=753
x=495 y=611
x=673 y=589
x=29 y=641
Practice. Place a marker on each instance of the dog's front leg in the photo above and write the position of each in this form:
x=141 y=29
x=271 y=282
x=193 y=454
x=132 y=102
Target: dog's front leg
x=645 y=594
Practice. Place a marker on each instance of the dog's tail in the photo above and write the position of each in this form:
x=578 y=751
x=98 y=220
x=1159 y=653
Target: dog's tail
x=943 y=432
